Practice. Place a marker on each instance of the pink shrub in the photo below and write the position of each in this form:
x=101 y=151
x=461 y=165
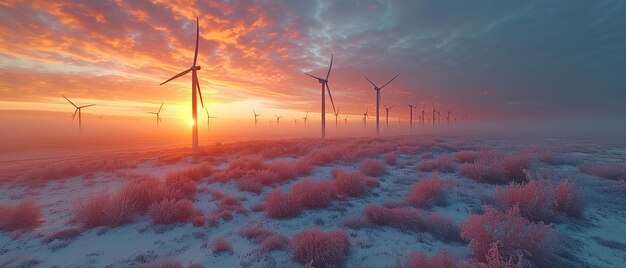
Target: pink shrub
x=249 y=185
x=104 y=209
x=420 y=259
x=407 y=219
x=541 y=201
x=497 y=258
x=194 y=173
x=514 y=166
x=181 y=186
x=312 y=194
x=171 y=211
x=324 y=249
x=221 y=245
x=611 y=171
x=274 y=242
x=143 y=190
x=24 y=216
x=429 y=192
x=466 y=156
x=372 y=167
x=353 y=183
x=281 y=205
x=568 y=200
x=510 y=229
x=490 y=170
x=443 y=163
x=534 y=199
x=255 y=232
x=286 y=170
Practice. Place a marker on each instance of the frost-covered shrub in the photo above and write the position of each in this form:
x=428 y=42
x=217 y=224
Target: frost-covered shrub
x=391 y=158
x=569 y=200
x=419 y=259
x=323 y=248
x=255 y=232
x=311 y=194
x=407 y=219
x=429 y=192
x=512 y=231
x=171 y=211
x=282 y=205
x=221 y=245
x=515 y=166
x=611 y=171
x=443 y=163
x=372 y=167
x=143 y=190
x=194 y=173
x=353 y=183
x=442 y=226
x=104 y=209
x=24 y=216
x=274 y=242
x=490 y=170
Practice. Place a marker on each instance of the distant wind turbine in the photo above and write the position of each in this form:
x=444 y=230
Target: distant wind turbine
x=434 y=113
x=78 y=110
x=377 y=89
x=255 y=117
x=208 y=118
x=448 y=117
x=365 y=116
x=345 y=120
x=423 y=109
x=411 y=107
x=306 y=118
x=158 y=117
x=387 y=114
x=324 y=82
x=336 y=116
x=195 y=85
x=277 y=119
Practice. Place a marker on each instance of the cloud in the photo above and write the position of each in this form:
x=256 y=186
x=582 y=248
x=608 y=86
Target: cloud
x=545 y=57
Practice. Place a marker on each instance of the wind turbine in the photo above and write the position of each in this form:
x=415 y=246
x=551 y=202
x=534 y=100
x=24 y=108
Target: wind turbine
x=255 y=116
x=411 y=107
x=345 y=120
x=448 y=117
x=365 y=116
x=387 y=114
x=423 y=109
x=78 y=110
x=377 y=89
x=277 y=119
x=306 y=118
x=434 y=112
x=195 y=85
x=324 y=82
x=158 y=117
x=208 y=118
x=336 y=116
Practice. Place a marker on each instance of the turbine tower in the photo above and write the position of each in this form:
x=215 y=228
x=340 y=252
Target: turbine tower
x=324 y=82
x=336 y=116
x=387 y=114
x=158 y=117
x=195 y=86
x=255 y=117
x=377 y=89
x=448 y=117
x=78 y=110
x=434 y=113
x=423 y=109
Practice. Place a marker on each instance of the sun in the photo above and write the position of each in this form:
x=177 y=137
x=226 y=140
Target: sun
x=191 y=122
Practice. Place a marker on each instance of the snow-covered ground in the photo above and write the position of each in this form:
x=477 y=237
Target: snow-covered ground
x=598 y=239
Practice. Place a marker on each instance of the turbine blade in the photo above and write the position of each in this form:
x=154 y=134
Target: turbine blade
x=314 y=76
x=391 y=106
x=195 y=55
x=76 y=111
x=370 y=81
x=390 y=81
x=70 y=101
x=331 y=97
x=330 y=67
x=85 y=106
x=199 y=91
x=207 y=112
x=151 y=112
x=160 y=107
x=177 y=76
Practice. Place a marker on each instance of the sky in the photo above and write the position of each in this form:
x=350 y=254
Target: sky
x=486 y=59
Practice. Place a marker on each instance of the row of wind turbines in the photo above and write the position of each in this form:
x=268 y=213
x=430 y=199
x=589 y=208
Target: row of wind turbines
x=196 y=92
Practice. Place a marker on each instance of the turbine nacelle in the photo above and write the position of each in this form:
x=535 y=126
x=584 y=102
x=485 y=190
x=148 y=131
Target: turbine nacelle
x=195 y=68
